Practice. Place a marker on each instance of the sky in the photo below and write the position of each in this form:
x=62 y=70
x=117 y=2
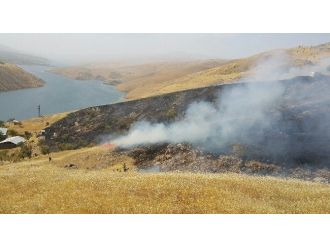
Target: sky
x=85 y=48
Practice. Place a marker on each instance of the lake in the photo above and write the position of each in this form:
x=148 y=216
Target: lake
x=59 y=94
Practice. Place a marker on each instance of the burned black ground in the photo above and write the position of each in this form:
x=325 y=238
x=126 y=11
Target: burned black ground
x=299 y=140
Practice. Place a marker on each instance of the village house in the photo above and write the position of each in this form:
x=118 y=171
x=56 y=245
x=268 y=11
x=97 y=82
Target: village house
x=3 y=131
x=11 y=142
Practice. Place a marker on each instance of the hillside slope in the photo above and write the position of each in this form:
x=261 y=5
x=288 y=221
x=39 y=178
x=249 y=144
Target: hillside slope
x=158 y=78
x=39 y=186
x=298 y=138
x=140 y=80
x=13 y=77
x=241 y=68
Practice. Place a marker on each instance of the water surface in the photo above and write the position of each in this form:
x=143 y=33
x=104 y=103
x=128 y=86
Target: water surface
x=59 y=94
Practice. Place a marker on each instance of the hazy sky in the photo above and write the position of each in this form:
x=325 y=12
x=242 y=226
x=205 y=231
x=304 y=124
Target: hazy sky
x=84 y=48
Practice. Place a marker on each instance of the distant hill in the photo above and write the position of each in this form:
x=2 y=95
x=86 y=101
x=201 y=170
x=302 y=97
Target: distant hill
x=9 y=55
x=13 y=77
x=236 y=69
x=144 y=80
x=139 y=80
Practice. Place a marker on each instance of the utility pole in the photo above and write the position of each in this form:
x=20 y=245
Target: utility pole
x=38 y=111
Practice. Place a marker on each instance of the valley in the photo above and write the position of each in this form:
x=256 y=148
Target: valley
x=247 y=135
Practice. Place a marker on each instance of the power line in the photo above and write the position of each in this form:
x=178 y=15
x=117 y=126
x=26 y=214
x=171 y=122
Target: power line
x=39 y=115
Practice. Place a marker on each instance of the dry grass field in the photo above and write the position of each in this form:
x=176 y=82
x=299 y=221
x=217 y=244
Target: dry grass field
x=92 y=180
x=139 y=80
x=36 y=124
x=33 y=126
x=40 y=186
x=149 y=79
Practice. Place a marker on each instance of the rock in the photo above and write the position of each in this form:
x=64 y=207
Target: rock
x=71 y=166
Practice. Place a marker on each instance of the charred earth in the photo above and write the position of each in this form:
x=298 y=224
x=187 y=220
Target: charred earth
x=298 y=144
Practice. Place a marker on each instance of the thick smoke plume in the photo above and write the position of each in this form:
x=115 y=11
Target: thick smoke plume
x=244 y=114
x=231 y=118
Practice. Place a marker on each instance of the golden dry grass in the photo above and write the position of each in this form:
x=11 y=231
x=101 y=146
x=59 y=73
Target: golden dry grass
x=36 y=124
x=145 y=80
x=39 y=186
x=98 y=157
x=141 y=80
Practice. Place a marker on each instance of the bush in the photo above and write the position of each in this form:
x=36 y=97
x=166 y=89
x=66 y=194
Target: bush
x=27 y=134
x=2 y=123
x=12 y=132
x=44 y=149
x=171 y=114
x=65 y=146
x=4 y=155
x=26 y=151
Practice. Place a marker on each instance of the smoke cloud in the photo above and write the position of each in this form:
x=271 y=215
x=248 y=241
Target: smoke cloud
x=244 y=114
x=236 y=112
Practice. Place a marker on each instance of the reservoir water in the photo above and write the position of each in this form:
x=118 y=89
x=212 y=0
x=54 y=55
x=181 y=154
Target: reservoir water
x=59 y=94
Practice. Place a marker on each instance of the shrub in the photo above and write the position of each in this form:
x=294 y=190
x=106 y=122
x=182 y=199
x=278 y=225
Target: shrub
x=4 y=155
x=171 y=113
x=44 y=149
x=26 y=151
x=65 y=146
x=2 y=123
x=27 y=134
x=12 y=132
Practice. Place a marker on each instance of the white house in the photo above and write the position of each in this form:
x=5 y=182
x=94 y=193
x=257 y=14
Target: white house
x=3 y=131
x=12 y=142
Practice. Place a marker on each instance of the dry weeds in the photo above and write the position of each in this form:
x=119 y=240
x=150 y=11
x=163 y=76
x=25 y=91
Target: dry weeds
x=39 y=186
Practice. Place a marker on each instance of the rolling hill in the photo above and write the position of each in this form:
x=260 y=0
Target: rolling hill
x=39 y=186
x=138 y=80
x=13 y=77
x=144 y=80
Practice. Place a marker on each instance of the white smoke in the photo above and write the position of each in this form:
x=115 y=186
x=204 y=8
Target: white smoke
x=235 y=113
x=238 y=111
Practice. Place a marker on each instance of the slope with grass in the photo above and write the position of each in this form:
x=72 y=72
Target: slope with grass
x=13 y=77
x=38 y=186
x=139 y=80
x=30 y=129
x=91 y=180
x=35 y=124
x=237 y=69
x=151 y=79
